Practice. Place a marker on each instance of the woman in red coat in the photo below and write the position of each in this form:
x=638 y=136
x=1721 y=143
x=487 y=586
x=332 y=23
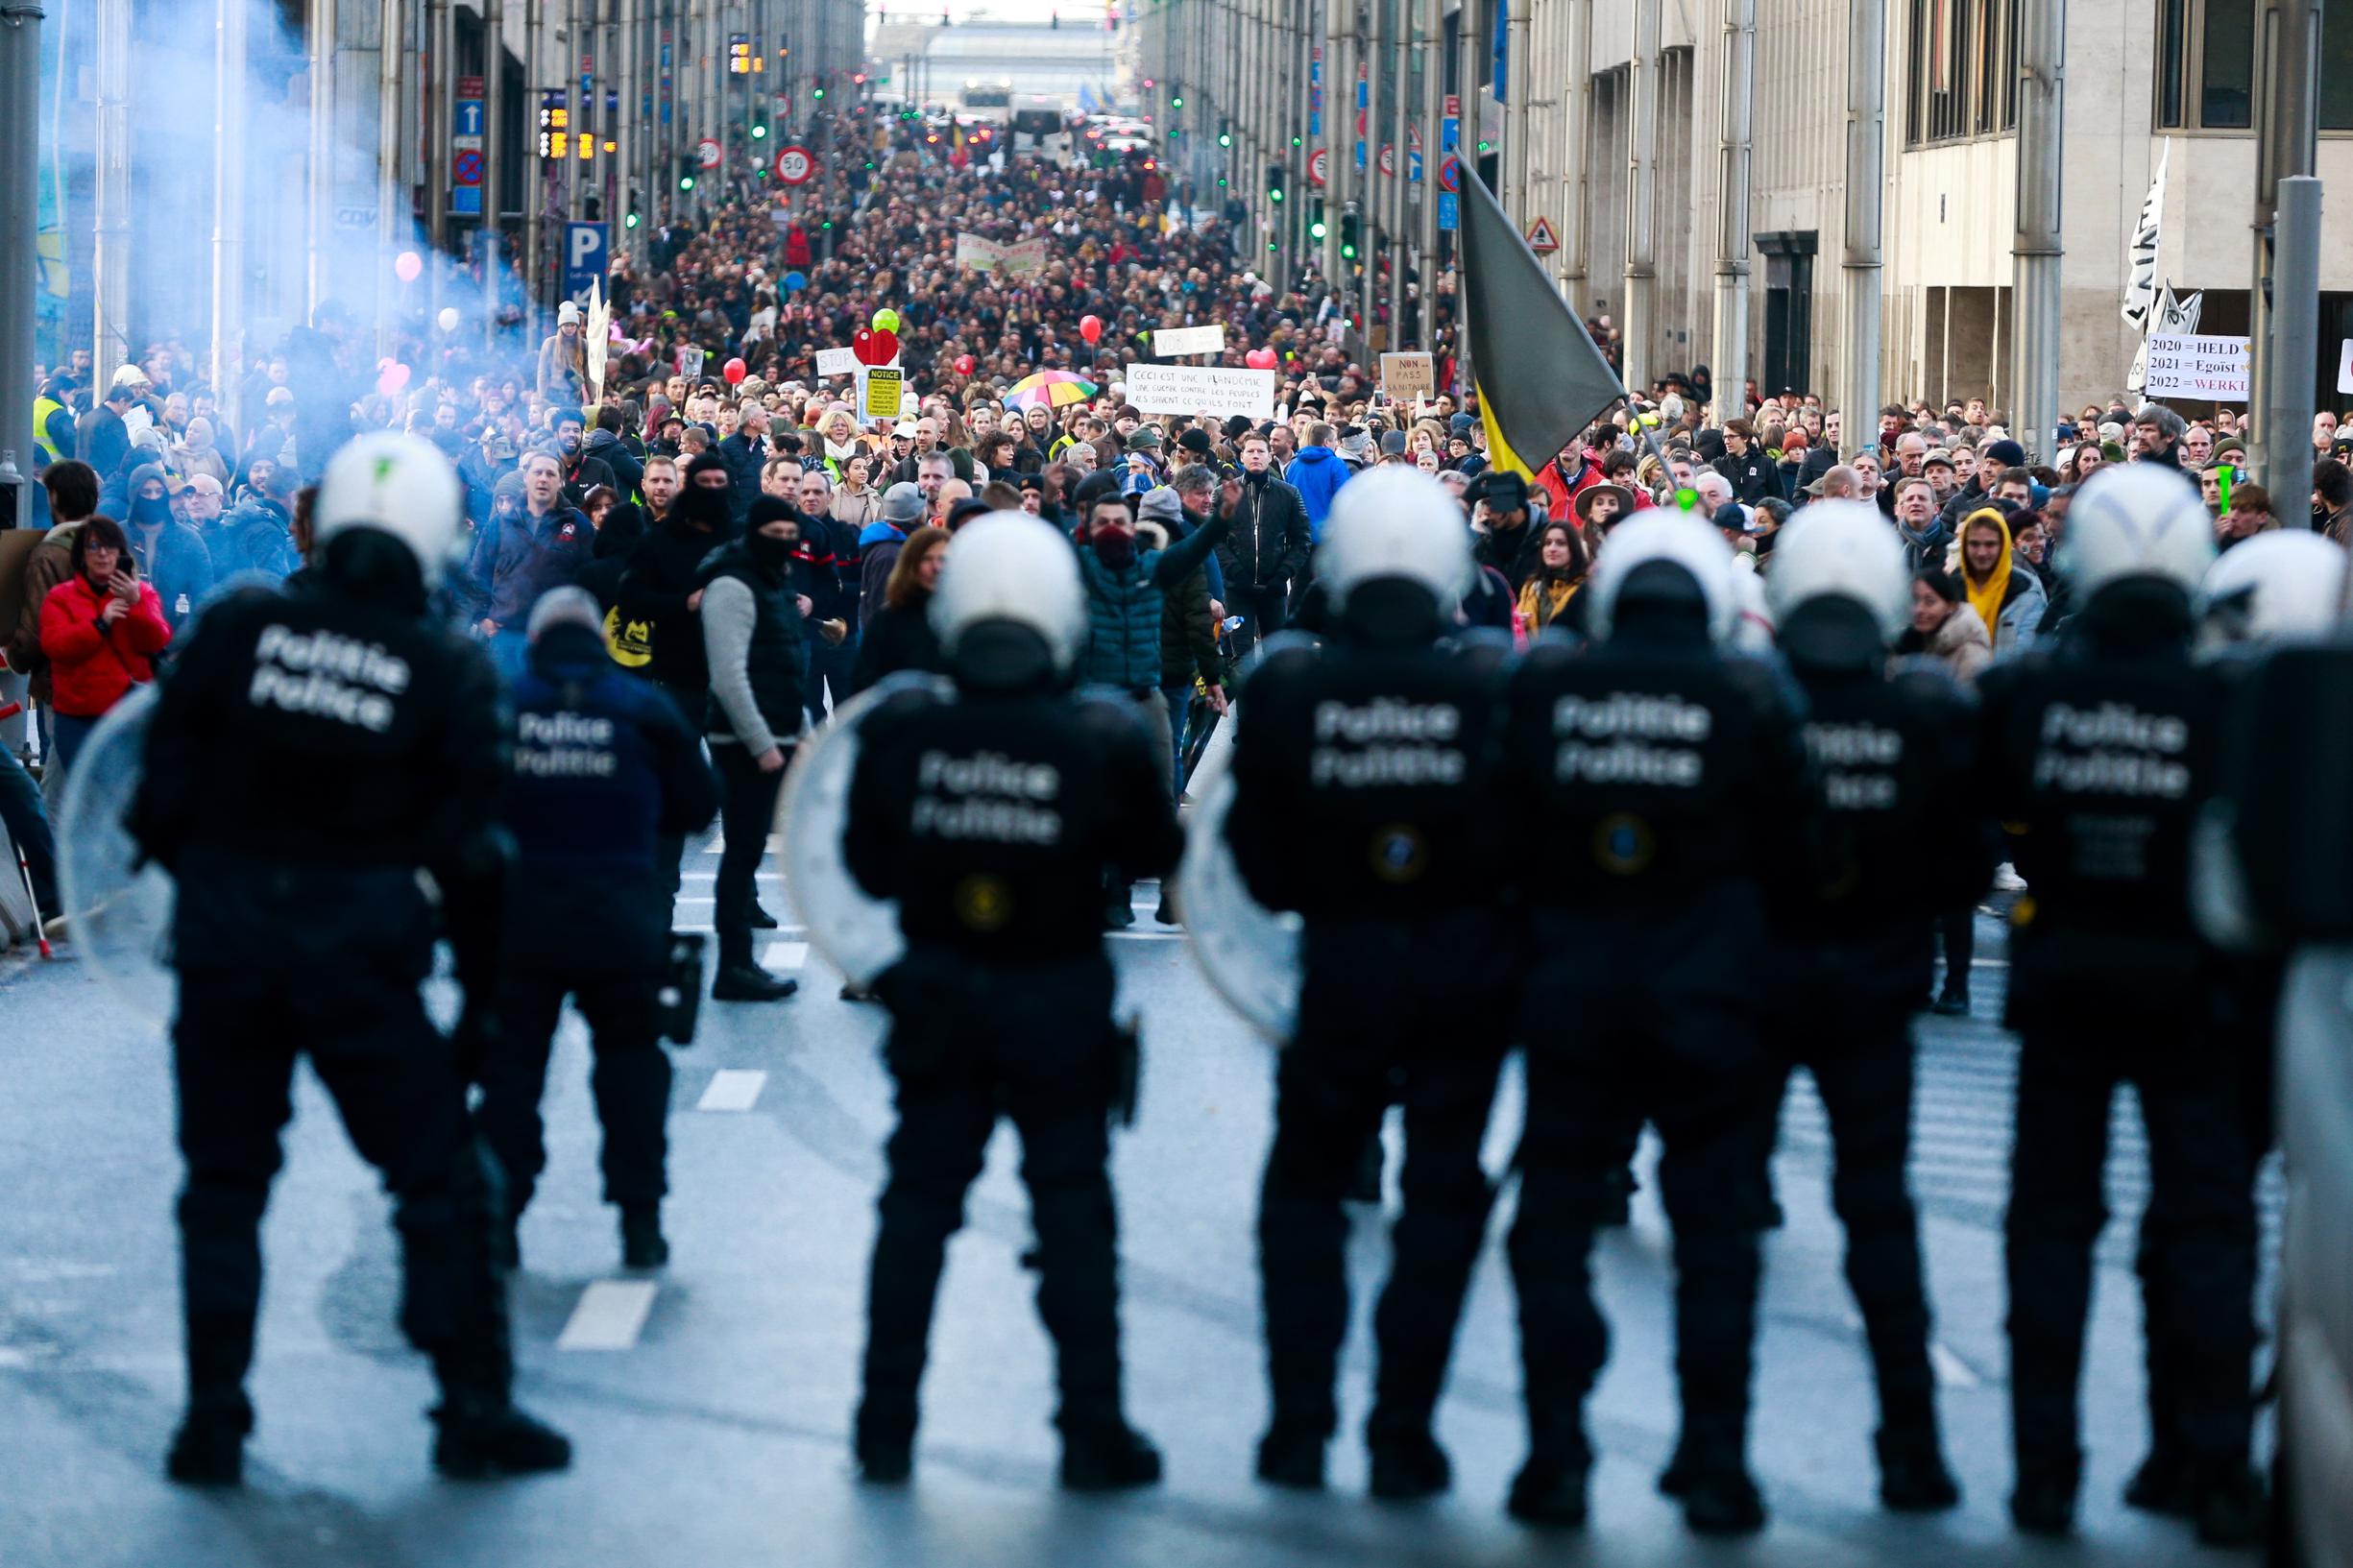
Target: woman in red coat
x=100 y=628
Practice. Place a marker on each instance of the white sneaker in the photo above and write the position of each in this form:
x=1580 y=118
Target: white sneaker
x=55 y=929
x=2007 y=878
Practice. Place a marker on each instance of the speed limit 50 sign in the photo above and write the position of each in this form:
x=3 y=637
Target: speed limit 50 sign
x=794 y=165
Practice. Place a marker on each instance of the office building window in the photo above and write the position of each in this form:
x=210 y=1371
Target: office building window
x=1963 y=76
x=2206 y=65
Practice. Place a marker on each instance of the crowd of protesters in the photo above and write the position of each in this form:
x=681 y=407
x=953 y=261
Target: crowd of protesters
x=707 y=425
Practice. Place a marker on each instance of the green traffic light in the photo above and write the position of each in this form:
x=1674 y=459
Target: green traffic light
x=821 y=92
x=1175 y=102
x=1225 y=139
x=633 y=220
x=686 y=182
x=1347 y=252
x=1275 y=195
x=1296 y=142
x=1486 y=147
x=758 y=131
x=1317 y=228
x=1221 y=182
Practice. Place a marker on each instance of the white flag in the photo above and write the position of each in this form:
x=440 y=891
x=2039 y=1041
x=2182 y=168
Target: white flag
x=2141 y=254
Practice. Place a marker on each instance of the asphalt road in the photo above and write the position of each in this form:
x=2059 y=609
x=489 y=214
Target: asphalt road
x=709 y=1408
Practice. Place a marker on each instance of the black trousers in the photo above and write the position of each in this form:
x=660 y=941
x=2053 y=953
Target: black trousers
x=1264 y=611
x=2199 y=1233
x=1628 y=1021
x=630 y=1080
x=747 y=814
x=21 y=813
x=968 y=1044
x=1389 y=1013
x=398 y=1090
x=1861 y=1058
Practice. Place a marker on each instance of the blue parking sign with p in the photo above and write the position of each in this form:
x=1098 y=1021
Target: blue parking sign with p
x=584 y=258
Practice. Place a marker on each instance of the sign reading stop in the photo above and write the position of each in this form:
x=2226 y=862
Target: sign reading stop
x=1320 y=166
x=794 y=165
x=707 y=153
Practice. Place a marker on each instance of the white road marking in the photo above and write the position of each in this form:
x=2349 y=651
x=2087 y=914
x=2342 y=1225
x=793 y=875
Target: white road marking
x=712 y=876
x=611 y=1316
x=785 y=954
x=1951 y=1370
x=1145 y=936
x=733 y=1089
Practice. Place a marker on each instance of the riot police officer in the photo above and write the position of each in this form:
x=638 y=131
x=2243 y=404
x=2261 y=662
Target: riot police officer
x=604 y=768
x=991 y=817
x=305 y=932
x=1363 y=801
x=1850 y=953
x=1656 y=787
x=2098 y=755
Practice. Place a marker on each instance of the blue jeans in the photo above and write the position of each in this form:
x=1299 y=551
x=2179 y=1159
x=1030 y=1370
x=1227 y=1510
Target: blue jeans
x=68 y=733
x=511 y=651
x=1180 y=699
x=21 y=813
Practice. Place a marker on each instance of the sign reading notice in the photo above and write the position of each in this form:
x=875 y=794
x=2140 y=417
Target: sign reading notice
x=2183 y=366
x=1017 y=261
x=1407 y=376
x=1200 y=389
x=1173 y=342
x=837 y=362
x=881 y=394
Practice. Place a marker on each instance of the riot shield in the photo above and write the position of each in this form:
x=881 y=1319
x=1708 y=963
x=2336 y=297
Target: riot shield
x=1250 y=953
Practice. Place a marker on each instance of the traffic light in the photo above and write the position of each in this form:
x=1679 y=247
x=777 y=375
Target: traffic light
x=1177 y=101
x=818 y=93
x=686 y=182
x=1351 y=233
x=1274 y=183
x=1226 y=137
x=760 y=130
x=555 y=126
x=739 y=54
x=1317 y=228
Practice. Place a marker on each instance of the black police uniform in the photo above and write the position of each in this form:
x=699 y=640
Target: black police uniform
x=2098 y=755
x=604 y=768
x=311 y=752
x=1847 y=967
x=1364 y=801
x=1654 y=789
x=991 y=819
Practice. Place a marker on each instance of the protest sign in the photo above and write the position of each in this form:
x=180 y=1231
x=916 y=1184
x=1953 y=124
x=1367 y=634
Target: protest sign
x=1200 y=389
x=2185 y=366
x=1407 y=376
x=837 y=362
x=1019 y=259
x=1172 y=342
x=880 y=395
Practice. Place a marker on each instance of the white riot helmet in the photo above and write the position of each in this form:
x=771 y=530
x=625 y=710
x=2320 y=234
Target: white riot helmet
x=1679 y=538
x=1834 y=566
x=1010 y=568
x=400 y=485
x=1399 y=522
x=2275 y=587
x=2136 y=520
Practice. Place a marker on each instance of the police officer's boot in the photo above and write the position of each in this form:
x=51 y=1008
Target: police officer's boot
x=1913 y=1477
x=2044 y=1501
x=1107 y=1455
x=642 y=1246
x=1709 y=1474
x=1118 y=910
x=883 y=1445
x=208 y=1450
x=1550 y=1487
x=739 y=978
x=2227 y=1500
x=1407 y=1463
x=1291 y=1455
x=482 y=1434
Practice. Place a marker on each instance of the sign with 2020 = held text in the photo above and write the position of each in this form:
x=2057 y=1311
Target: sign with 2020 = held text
x=2204 y=366
x=1200 y=389
x=1171 y=342
x=1407 y=376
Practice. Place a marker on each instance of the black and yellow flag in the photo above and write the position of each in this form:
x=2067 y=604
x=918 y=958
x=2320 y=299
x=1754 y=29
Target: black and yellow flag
x=1540 y=380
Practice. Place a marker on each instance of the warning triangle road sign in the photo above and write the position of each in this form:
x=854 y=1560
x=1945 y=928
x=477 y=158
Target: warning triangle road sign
x=1541 y=237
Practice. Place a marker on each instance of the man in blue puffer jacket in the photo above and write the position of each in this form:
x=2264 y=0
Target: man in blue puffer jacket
x=1316 y=473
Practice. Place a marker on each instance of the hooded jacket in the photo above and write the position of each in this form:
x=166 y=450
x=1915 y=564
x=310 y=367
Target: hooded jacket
x=1125 y=604
x=661 y=577
x=1316 y=473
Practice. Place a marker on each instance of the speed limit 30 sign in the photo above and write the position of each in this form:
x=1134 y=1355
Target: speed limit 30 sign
x=794 y=165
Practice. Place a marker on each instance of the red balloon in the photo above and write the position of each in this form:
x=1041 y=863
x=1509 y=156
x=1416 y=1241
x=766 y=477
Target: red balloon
x=1259 y=359
x=734 y=369
x=1090 y=328
x=965 y=364
x=862 y=345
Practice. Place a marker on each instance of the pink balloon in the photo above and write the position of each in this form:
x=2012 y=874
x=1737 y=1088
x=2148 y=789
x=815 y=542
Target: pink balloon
x=1090 y=328
x=407 y=265
x=1259 y=359
x=391 y=376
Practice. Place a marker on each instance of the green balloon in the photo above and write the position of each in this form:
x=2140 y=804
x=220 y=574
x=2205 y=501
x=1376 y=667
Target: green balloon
x=885 y=319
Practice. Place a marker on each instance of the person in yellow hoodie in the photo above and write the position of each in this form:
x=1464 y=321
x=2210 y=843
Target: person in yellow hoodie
x=2009 y=601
